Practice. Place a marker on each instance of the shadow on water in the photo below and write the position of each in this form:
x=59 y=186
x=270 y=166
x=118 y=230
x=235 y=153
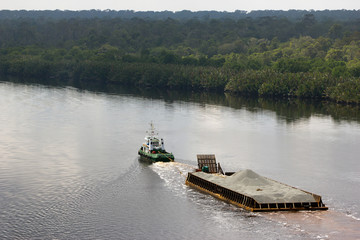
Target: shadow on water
x=288 y=110
x=144 y=162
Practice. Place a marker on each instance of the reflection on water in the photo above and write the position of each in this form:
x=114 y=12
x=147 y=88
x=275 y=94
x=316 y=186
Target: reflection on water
x=286 y=109
x=69 y=166
x=289 y=110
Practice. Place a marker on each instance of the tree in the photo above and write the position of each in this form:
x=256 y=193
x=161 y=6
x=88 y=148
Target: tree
x=336 y=31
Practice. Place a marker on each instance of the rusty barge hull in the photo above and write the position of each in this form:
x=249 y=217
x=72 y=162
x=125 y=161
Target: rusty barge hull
x=250 y=203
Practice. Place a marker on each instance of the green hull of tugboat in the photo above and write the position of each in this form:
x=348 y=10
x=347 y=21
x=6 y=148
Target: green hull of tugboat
x=153 y=148
x=157 y=156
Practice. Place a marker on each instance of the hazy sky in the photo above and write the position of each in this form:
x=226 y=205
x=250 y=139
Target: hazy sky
x=177 y=5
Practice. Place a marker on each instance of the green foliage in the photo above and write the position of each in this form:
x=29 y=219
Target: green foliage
x=264 y=56
x=248 y=82
x=347 y=91
x=354 y=68
x=301 y=85
x=292 y=65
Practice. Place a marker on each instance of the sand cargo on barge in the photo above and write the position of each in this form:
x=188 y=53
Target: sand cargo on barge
x=249 y=190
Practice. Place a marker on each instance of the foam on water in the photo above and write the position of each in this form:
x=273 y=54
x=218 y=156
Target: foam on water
x=225 y=215
x=305 y=224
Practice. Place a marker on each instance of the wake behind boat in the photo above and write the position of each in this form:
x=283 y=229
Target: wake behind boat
x=153 y=148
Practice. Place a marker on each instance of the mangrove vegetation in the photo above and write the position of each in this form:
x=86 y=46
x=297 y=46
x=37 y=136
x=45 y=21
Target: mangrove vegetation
x=311 y=56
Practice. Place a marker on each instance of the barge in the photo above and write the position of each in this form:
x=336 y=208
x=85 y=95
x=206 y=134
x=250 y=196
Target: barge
x=153 y=149
x=249 y=190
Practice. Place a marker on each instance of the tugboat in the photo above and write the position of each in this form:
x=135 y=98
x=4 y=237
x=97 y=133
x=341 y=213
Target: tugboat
x=153 y=148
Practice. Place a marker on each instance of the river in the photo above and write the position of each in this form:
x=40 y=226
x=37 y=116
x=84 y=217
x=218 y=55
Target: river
x=69 y=167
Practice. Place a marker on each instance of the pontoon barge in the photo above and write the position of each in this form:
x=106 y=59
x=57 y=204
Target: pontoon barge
x=249 y=190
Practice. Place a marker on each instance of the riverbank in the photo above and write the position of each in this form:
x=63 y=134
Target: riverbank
x=266 y=83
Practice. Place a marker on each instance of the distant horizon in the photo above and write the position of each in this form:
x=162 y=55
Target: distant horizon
x=174 y=11
x=190 y=5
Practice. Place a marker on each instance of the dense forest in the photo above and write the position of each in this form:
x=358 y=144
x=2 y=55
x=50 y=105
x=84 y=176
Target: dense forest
x=304 y=54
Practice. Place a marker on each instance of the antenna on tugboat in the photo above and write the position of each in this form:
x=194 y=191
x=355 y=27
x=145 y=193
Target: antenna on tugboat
x=152 y=129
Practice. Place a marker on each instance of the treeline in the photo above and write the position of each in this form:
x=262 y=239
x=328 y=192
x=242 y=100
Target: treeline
x=269 y=57
x=208 y=37
x=284 y=77
x=293 y=15
x=194 y=36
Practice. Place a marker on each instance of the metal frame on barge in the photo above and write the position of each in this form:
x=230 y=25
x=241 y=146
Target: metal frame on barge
x=243 y=200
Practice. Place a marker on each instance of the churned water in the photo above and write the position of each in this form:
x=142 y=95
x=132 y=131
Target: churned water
x=69 y=167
